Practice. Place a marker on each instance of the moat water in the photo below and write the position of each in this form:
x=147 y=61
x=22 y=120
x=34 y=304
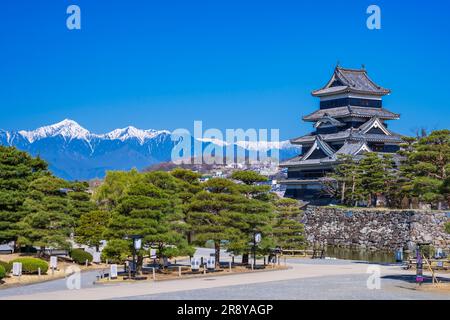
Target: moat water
x=360 y=254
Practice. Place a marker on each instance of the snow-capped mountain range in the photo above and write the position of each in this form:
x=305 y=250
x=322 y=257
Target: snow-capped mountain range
x=75 y=153
x=69 y=130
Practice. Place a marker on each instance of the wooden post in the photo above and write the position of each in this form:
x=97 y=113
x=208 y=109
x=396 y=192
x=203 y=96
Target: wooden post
x=229 y=265
x=39 y=272
x=53 y=271
x=204 y=269
x=153 y=273
x=179 y=271
x=86 y=262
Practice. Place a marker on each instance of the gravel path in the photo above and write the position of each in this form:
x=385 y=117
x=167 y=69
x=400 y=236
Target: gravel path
x=87 y=279
x=323 y=288
x=306 y=279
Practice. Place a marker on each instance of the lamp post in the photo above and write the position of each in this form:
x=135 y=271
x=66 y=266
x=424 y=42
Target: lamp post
x=256 y=241
x=137 y=244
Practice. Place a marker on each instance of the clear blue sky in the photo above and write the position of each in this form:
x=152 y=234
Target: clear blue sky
x=231 y=63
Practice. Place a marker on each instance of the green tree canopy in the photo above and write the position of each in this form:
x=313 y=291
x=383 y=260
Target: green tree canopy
x=426 y=166
x=92 y=227
x=47 y=221
x=253 y=215
x=17 y=171
x=146 y=204
x=288 y=231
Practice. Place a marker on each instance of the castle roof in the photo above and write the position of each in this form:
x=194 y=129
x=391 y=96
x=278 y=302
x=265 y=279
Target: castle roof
x=352 y=111
x=350 y=81
x=353 y=148
x=363 y=133
x=327 y=120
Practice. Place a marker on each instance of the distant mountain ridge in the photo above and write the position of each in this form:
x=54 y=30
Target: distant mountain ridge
x=75 y=153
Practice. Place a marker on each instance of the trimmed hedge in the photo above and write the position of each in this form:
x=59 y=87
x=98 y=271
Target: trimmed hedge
x=7 y=266
x=80 y=256
x=2 y=272
x=31 y=265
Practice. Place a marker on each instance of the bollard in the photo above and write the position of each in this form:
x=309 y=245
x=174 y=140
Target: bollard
x=204 y=269
x=53 y=271
x=179 y=271
x=39 y=272
x=253 y=264
x=229 y=264
x=86 y=262
x=153 y=273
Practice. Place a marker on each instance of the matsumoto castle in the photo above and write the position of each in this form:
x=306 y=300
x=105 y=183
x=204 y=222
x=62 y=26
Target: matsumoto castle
x=351 y=120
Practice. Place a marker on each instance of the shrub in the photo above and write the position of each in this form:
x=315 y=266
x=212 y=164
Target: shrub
x=7 y=266
x=31 y=265
x=116 y=251
x=2 y=272
x=80 y=256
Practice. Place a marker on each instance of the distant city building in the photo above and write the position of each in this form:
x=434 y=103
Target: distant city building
x=351 y=120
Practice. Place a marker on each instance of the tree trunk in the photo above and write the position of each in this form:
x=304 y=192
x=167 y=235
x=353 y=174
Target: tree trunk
x=353 y=189
x=217 y=252
x=139 y=263
x=343 y=193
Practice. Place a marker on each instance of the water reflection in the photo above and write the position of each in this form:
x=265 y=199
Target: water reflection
x=360 y=254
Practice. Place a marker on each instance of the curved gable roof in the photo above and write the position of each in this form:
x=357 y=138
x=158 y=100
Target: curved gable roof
x=350 y=80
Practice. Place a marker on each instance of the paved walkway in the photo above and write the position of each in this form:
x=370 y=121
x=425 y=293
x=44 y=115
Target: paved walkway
x=306 y=279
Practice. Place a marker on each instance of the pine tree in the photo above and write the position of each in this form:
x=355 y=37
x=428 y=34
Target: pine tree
x=145 y=209
x=425 y=170
x=79 y=200
x=252 y=216
x=210 y=213
x=92 y=227
x=345 y=180
x=288 y=231
x=376 y=173
x=188 y=186
x=47 y=221
x=17 y=171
